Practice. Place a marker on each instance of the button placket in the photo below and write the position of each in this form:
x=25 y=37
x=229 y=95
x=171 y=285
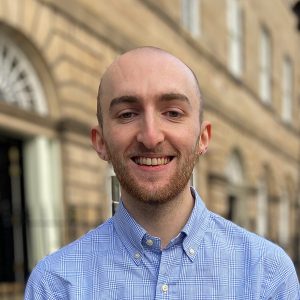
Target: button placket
x=163 y=277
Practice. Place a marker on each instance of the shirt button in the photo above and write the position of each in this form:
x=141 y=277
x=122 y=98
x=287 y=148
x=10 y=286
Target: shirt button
x=149 y=242
x=192 y=251
x=164 y=288
x=137 y=255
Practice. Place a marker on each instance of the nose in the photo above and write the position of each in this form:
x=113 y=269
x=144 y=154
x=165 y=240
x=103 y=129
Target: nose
x=150 y=133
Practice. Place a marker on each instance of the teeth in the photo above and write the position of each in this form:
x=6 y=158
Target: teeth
x=152 y=161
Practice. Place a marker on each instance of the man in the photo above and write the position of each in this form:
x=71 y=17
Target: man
x=162 y=243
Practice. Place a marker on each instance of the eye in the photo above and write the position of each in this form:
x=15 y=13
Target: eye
x=127 y=115
x=174 y=114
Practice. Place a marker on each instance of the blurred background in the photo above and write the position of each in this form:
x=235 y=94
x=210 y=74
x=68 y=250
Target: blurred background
x=54 y=188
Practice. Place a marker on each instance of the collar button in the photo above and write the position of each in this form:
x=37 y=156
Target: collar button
x=149 y=242
x=192 y=251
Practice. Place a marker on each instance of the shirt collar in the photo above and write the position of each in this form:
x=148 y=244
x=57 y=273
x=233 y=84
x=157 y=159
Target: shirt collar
x=195 y=227
x=132 y=234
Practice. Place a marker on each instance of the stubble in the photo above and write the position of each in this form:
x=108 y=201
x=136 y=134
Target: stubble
x=153 y=193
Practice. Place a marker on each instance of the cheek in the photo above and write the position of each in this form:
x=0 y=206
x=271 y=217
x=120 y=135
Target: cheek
x=187 y=134
x=118 y=140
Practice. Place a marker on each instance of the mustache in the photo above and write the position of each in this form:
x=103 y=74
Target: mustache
x=141 y=150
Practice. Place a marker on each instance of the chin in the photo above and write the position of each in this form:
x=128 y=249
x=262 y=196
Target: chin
x=153 y=195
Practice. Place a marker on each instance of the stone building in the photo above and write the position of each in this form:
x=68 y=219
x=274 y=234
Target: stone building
x=53 y=187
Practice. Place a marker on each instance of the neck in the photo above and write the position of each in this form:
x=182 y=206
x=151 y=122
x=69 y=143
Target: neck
x=164 y=220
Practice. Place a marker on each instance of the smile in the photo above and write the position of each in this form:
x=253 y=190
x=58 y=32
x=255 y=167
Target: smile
x=150 y=161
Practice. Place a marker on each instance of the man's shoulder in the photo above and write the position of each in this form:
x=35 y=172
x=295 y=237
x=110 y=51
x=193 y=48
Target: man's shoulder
x=264 y=265
x=235 y=237
x=55 y=273
x=97 y=241
x=255 y=251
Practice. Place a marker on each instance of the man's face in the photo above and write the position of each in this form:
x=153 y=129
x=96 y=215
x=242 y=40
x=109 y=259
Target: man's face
x=151 y=130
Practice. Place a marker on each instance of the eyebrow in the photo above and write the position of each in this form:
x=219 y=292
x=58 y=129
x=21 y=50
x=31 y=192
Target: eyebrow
x=131 y=99
x=174 y=96
x=123 y=99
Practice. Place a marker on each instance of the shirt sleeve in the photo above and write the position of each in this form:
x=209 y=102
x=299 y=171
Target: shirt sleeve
x=43 y=285
x=283 y=283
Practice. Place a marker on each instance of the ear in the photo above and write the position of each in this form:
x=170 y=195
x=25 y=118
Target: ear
x=205 y=137
x=97 y=139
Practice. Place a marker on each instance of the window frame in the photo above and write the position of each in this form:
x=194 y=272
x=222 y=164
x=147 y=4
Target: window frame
x=190 y=16
x=287 y=90
x=235 y=25
x=265 y=66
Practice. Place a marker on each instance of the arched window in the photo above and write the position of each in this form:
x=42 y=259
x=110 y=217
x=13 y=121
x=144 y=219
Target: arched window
x=19 y=83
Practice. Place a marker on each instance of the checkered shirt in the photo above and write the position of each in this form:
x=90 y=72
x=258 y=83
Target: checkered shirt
x=210 y=259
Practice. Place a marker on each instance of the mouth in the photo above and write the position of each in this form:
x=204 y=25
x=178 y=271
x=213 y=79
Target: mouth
x=152 y=161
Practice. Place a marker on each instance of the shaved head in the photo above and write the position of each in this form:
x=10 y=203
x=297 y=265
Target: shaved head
x=143 y=52
x=149 y=108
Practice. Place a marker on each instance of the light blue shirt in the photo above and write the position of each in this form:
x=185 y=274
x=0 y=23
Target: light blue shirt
x=210 y=259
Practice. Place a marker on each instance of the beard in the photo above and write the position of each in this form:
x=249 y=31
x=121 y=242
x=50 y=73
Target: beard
x=153 y=193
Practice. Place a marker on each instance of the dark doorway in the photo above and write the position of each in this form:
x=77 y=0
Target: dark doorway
x=13 y=254
x=231 y=208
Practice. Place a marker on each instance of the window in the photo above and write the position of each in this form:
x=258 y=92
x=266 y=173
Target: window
x=190 y=14
x=262 y=209
x=235 y=37
x=284 y=217
x=236 y=197
x=19 y=83
x=113 y=189
x=234 y=169
x=265 y=66
x=287 y=90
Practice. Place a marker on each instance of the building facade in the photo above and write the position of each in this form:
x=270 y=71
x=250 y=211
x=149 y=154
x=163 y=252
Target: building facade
x=53 y=186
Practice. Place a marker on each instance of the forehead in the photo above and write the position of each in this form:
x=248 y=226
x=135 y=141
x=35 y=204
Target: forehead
x=145 y=74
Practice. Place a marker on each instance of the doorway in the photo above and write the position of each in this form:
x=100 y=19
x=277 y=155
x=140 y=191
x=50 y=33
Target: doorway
x=13 y=250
